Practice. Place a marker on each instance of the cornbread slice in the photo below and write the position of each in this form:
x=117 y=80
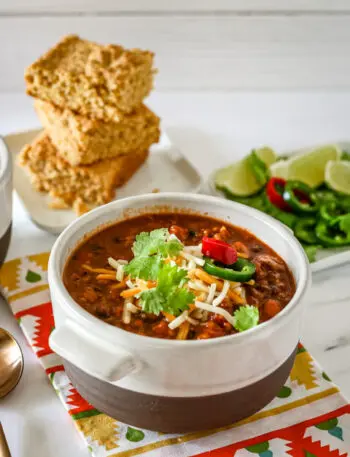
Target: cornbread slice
x=94 y=80
x=74 y=186
x=80 y=140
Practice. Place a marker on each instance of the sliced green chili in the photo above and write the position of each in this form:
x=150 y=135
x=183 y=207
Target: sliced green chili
x=241 y=271
x=331 y=236
x=304 y=230
x=294 y=194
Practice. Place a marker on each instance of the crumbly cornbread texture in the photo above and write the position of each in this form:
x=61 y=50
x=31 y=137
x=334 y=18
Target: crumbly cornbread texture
x=80 y=140
x=87 y=184
x=94 y=80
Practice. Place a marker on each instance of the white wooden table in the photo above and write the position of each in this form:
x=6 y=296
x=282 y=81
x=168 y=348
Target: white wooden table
x=211 y=129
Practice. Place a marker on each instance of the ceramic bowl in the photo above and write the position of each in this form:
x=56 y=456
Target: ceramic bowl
x=169 y=385
x=5 y=200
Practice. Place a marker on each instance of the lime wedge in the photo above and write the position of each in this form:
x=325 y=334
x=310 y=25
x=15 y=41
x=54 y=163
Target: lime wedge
x=239 y=179
x=337 y=176
x=310 y=166
x=279 y=169
x=267 y=155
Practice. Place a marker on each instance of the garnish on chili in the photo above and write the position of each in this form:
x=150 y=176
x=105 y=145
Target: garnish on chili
x=274 y=190
x=301 y=197
x=241 y=271
x=219 y=250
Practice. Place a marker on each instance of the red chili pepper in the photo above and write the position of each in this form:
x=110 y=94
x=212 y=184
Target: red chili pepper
x=275 y=195
x=219 y=250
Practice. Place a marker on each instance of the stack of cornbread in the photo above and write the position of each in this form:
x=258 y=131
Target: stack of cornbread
x=97 y=130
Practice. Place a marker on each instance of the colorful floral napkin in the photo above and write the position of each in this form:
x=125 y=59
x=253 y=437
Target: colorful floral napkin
x=308 y=418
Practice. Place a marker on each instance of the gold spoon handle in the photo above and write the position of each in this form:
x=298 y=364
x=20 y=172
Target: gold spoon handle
x=4 y=449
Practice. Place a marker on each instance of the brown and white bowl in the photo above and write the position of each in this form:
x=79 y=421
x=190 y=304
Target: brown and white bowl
x=5 y=200
x=176 y=386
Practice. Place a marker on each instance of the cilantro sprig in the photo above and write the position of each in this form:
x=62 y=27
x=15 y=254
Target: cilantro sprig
x=169 y=295
x=150 y=249
x=246 y=317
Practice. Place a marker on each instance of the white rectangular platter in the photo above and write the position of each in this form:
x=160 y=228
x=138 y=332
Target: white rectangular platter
x=166 y=170
x=326 y=258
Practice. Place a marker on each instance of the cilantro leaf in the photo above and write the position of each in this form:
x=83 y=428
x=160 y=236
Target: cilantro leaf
x=144 y=267
x=147 y=243
x=246 y=317
x=170 y=276
x=168 y=295
x=179 y=300
x=171 y=248
x=152 y=301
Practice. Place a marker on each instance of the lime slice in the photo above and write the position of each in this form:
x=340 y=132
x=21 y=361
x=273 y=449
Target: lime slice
x=337 y=176
x=310 y=166
x=279 y=169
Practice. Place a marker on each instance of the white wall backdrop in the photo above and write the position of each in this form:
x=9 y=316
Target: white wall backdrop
x=199 y=44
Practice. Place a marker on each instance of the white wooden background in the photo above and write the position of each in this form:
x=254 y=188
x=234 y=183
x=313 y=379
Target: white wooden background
x=199 y=44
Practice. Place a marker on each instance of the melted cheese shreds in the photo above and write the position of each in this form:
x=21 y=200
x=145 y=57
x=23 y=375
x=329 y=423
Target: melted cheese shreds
x=196 y=260
x=120 y=273
x=130 y=284
x=211 y=295
x=222 y=295
x=216 y=310
x=178 y=321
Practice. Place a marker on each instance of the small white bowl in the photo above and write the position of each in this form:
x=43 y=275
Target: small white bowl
x=115 y=369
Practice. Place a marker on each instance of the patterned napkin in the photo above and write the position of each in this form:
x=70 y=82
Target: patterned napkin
x=308 y=418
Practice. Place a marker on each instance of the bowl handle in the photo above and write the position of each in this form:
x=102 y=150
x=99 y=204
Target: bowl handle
x=93 y=356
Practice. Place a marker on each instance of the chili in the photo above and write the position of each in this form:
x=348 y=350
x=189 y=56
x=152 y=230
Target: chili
x=241 y=271
x=332 y=212
x=219 y=250
x=274 y=190
x=300 y=197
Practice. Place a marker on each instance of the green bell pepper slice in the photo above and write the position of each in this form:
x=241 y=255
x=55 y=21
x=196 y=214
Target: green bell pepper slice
x=293 y=192
x=304 y=230
x=241 y=271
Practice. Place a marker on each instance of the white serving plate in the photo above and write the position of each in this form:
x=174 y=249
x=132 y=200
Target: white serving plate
x=326 y=258
x=166 y=169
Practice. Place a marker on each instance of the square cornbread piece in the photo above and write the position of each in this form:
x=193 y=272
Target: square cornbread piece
x=89 y=184
x=81 y=140
x=95 y=80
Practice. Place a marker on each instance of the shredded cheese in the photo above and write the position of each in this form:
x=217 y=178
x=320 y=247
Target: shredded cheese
x=222 y=295
x=178 y=320
x=130 y=284
x=120 y=273
x=126 y=317
x=189 y=257
x=132 y=308
x=198 y=285
x=216 y=310
x=211 y=295
x=192 y=321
